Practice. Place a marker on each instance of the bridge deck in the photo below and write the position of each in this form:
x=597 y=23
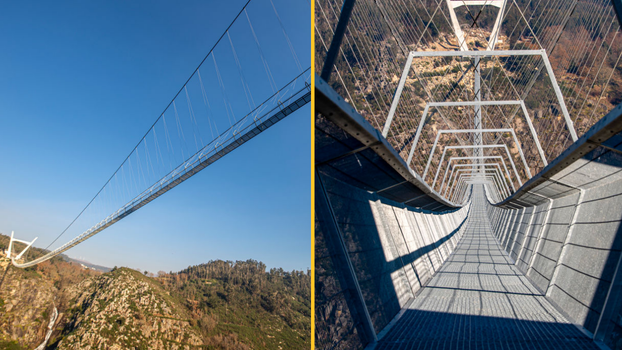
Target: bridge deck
x=480 y=300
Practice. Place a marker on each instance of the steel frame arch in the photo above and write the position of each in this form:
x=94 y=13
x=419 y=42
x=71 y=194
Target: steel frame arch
x=480 y=54
x=457 y=131
x=476 y=165
x=496 y=168
x=521 y=103
x=476 y=146
x=484 y=165
x=490 y=179
x=487 y=180
x=494 y=34
x=488 y=172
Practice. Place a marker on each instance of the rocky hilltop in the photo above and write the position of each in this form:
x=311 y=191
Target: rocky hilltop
x=124 y=309
x=217 y=305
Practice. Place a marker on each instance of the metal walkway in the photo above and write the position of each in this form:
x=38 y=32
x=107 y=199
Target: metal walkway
x=480 y=300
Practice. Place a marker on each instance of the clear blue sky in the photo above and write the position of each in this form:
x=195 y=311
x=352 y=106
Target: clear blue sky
x=81 y=82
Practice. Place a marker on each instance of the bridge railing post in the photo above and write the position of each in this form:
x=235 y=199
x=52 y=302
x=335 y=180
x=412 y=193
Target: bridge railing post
x=10 y=245
x=398 y=94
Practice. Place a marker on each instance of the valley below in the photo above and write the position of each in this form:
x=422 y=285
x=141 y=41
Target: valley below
x=63 y=304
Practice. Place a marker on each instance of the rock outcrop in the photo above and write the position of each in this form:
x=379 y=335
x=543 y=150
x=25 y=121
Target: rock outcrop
x=124 y=310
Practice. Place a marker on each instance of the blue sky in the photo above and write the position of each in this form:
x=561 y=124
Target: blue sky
x=81 y=82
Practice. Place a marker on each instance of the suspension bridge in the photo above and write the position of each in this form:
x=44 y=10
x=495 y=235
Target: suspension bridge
x=468 y=174
x=252 y=77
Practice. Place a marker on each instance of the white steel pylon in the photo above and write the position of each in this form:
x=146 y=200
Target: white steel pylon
x=494 y=34
x=28 y=245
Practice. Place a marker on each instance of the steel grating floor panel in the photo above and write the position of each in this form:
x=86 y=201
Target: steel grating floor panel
x=480 y=300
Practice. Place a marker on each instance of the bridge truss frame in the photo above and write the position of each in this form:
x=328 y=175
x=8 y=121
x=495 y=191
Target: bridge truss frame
x=482 y=146
x=457 y=131
x=487 y=166
x=473 y=165
x=478 y=151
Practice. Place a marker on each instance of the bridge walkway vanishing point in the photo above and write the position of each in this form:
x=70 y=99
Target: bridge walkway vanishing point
x=479 y=299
